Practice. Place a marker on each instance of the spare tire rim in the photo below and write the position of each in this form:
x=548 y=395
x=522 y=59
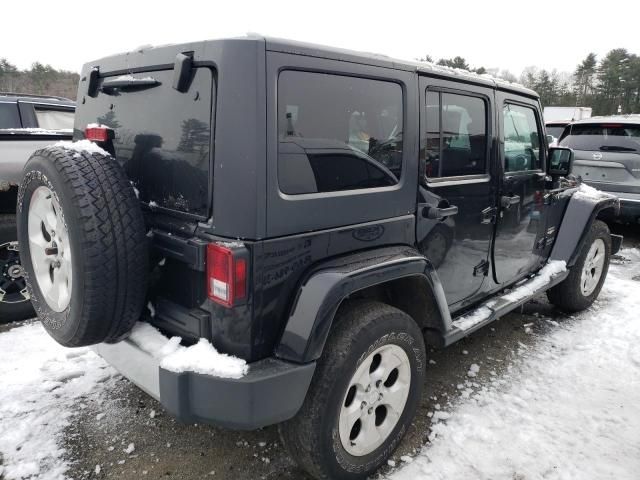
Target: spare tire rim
x=375 y=399
x=13 y=288
x=50 y=249
x=593 y=266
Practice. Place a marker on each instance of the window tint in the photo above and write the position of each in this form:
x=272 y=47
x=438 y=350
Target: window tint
x=455 y=141
x=610 y=137
x=337 y=133
x=521 y=140
x=165 y=156
x=54 y=119
x=9 y=115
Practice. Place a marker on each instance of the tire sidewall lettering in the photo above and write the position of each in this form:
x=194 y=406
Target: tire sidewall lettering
x=51 y=319
x=344 y=460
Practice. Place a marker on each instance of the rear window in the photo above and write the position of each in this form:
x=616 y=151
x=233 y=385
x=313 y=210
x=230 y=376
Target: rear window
x=338 y=133
x=9 y=115
x=606 y=137
x=54 y=119
x=555 y=130
x=162 y=137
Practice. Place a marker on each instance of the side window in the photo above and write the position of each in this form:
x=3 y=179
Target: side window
x=337 y=133
x=52 y=119
x=455 y=141
x=521 y=139
x=9 y=115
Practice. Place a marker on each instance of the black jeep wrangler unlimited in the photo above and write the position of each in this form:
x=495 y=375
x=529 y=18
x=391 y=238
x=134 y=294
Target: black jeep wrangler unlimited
x=323 y=215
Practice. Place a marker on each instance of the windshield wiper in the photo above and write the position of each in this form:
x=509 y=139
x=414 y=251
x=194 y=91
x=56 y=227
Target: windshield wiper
x=616 y=148
x=127 y=82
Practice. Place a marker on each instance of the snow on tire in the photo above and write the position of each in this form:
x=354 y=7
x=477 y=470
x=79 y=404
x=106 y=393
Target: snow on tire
x=83 y=244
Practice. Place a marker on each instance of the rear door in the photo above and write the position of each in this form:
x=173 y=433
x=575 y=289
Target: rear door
x=521 y=223
x=456 y=128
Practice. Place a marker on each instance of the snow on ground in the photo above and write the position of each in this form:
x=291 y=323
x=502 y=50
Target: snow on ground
x=42 y=384
x=567 y=410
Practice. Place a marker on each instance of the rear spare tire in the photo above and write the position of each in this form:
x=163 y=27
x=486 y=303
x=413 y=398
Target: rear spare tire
x=83 y=244
x=14 y=298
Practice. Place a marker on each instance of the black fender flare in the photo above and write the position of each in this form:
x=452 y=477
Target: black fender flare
x=576 y=222
x=326 y=286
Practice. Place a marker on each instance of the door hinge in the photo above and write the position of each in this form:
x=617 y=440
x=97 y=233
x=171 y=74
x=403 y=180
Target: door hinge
x=489 y=215
x=482 y=269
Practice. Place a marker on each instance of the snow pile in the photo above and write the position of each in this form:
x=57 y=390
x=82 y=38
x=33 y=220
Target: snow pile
x=567 y=410
x=200 y=358
x=471 y=319
x=81 y=146
x=542 y=278
x=527 y=289
x=589 y=193
x=40 y=385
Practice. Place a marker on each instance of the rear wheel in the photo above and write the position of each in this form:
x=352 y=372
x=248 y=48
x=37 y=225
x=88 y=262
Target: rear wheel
x=15 y=303
x=83 y=245
x=580 y=289
x=364 y=394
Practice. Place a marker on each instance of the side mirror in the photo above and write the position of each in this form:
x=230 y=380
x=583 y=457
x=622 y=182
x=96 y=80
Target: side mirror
x=560 y=161
x=550 y=139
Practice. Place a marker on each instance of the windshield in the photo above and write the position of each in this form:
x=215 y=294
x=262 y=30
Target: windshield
x=555 y=130
x=603 y=136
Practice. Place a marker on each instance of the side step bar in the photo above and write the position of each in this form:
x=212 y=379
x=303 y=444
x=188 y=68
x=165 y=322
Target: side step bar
x=499 y=306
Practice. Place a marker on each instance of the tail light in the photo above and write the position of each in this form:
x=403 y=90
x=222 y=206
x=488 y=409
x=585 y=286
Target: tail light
x=226 y=275
x=98 y=133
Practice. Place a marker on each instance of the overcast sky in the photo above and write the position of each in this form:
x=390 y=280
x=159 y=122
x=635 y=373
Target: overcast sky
x=553 y=34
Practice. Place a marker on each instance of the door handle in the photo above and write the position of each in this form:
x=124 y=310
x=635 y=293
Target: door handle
x=435 y=213
x=508 y=201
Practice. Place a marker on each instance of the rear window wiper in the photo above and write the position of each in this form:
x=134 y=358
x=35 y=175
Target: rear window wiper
x=615 y=148
x=127 y=82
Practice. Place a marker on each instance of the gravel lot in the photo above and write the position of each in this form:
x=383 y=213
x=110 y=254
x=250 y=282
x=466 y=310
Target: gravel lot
x=105 y=425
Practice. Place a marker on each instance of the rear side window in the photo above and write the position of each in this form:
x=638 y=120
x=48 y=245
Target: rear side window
x=162 y=137
x=455 y=139
x=54 y=119
x=606 y=137
x=337 y=133
x=521 y=138
x=9 y=116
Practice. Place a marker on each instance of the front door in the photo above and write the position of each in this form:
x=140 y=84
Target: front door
x=456 y=199
x=518 y=248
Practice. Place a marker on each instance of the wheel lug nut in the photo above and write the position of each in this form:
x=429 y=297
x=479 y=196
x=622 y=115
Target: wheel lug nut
x=378 y=383
x=370 y=411
x=368 y=388
x=363 y=405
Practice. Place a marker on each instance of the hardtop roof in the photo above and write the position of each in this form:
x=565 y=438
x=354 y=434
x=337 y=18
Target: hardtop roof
x=129 y=59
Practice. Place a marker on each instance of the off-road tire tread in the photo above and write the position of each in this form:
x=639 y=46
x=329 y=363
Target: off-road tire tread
x=110 y=229
x=299 y=435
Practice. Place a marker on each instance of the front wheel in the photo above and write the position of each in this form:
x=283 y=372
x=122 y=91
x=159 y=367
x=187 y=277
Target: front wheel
x=583 y=284
x=364 y=394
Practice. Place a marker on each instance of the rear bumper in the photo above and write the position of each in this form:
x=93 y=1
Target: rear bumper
x=629 y=205
x=272 y=391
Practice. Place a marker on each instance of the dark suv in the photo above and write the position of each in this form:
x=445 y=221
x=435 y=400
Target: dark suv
x=318 y=215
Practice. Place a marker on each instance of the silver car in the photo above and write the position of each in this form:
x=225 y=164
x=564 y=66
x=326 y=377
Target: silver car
x=607 y=157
